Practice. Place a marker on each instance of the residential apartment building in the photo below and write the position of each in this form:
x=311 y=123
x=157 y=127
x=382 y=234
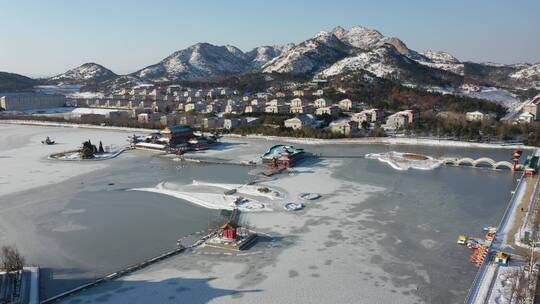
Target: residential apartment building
x=331 y=110
x=369 y=116
x=30 y=101
x=299 y=122
x=344 y=127
x=277 y=109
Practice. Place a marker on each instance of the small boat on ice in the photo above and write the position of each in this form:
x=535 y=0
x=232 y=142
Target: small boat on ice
x=293 y=206
x=309 y=196
x=48 y=141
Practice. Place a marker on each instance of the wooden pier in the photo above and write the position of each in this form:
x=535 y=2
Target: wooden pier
x=210 y=161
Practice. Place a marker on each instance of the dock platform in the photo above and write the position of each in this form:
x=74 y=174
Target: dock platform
x=232 y=245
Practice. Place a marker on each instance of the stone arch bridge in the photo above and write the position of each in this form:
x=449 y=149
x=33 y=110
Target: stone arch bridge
x=482 y=162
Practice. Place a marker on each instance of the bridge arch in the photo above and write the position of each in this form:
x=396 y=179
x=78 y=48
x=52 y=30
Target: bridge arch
x=484 y=160
x=504 y=165
x=465 y=162
x=450 y=161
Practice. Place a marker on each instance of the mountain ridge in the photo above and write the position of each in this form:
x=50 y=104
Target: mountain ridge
x=326 y=53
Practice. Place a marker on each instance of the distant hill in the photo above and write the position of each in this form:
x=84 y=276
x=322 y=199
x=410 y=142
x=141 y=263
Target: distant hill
x=88 y=73
x=10 y=82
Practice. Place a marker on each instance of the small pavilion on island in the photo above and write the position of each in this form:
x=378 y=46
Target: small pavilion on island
x=228 y=231
x=232 y=236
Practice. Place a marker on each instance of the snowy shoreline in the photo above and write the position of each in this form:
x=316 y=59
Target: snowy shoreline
x=386 y=141
x=306 y=141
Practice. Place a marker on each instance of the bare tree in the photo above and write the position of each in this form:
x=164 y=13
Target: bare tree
x=11 y=259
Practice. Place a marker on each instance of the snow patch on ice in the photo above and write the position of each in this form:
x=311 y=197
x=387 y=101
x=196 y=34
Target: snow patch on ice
x=402 y=161
x=253 y=190
x=209 y=200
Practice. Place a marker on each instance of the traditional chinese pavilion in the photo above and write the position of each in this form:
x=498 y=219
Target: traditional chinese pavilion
x=281 y=156
x=178 y=134
x=228 y=231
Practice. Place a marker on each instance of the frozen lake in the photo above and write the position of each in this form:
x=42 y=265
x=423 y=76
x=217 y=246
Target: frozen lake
x=390 y=233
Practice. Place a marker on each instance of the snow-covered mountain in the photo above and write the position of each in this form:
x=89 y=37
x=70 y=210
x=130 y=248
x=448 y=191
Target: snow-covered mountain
x=359 y=37
x=381 y=61
x=360 y=48
x=386 y=61
x=528 y=73
x=202 y=60
x=368 y=39
x=439 y=57
x=310 y=56
x=259 y=56
x=326 y=54
x=442 y=61
x=86 y=73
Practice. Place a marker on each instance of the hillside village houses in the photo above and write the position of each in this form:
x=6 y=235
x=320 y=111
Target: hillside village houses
x=322 y=103
x=253 y=109
x=370 y=116
x=301 y=106
x=475 y=116
x=533 y=108
x=224 y=108
x=277 y=106
x=347 y=105
x=332 y=110
x=525 y=117
x=154 y=103
x=301 y=121
x=344 y=127
x=400 y=120
x=299 y=102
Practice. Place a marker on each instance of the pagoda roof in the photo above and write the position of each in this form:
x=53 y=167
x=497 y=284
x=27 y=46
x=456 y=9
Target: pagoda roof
x=278 y=150
x=229 y=225
x=178 y=129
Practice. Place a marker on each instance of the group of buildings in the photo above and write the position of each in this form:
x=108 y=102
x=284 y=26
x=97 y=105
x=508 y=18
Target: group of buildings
x=172 y=105
x=176 y=139
x=224 y=108
x=362 y=120
x=529 y=112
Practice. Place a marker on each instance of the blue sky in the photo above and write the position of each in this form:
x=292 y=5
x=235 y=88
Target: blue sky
x=41 y=38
